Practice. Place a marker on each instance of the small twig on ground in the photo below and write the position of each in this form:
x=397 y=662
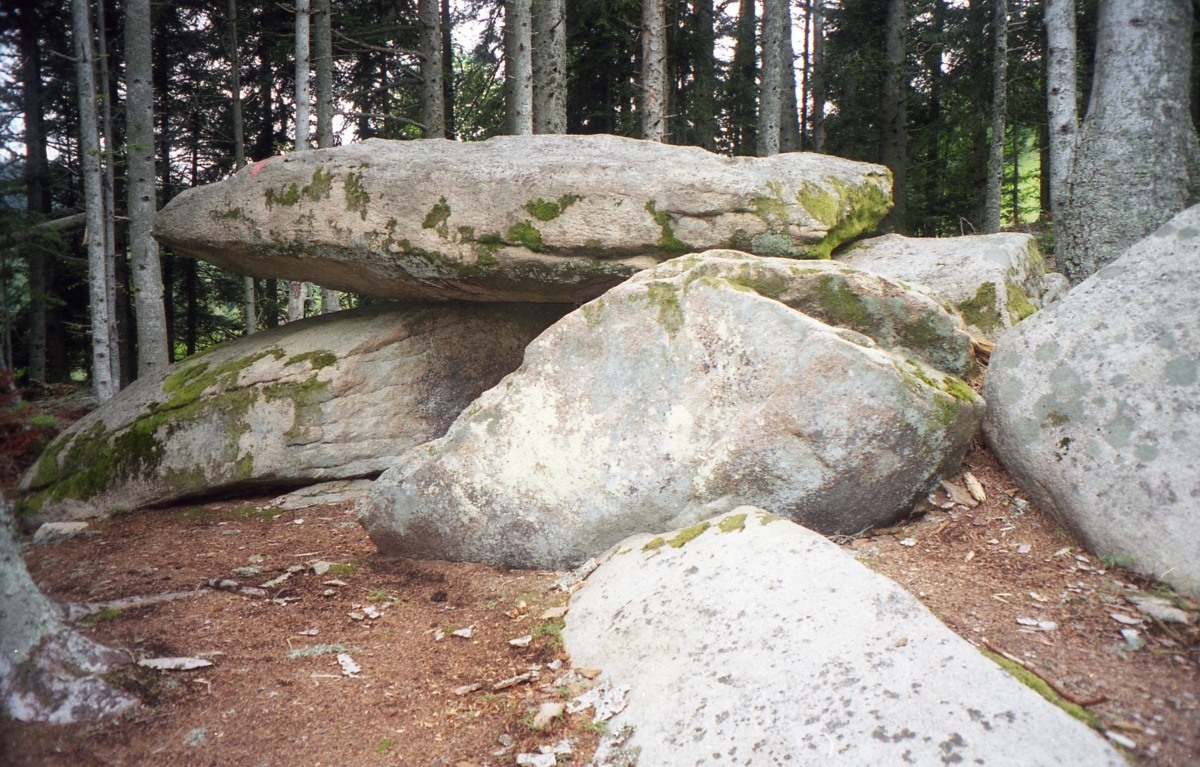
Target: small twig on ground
x=1066 y=694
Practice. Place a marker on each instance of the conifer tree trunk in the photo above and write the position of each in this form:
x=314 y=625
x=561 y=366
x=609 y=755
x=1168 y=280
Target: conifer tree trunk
x=48 y=671
x=518 y=68
x=89 y=158
x=141 y=204
x=323 y=63
x=817 y=78
x=893 y=145
x=1137 y=160
x=433 y=115
x=1060 y=97
x=36 y=176
x=742 y=79
x=107 y=169
x=448 y=70
x=789 y=121
x=549 y=66
x=303 y=106
x=995 y=177
x=249 y=310
x=322 y=59
x=297 y=291
x=770 y=98
x=654 y=70
x=706 y=76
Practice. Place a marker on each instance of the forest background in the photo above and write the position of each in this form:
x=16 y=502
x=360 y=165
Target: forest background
x=949 y=94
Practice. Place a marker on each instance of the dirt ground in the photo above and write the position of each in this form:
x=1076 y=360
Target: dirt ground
x=1001 y=574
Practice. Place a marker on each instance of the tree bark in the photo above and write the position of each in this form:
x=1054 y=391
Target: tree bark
x=518 y=68
x=654 y=70
x=789 y=121
x=302 y=72
x=322 y=59
x=48 y=671
x=549 y=66
x=89 y=157
x=1137 y=157
x=249 y=312
x=36 y=172
x=141 y=204
x=705 y=68
x=995 y=177
x=433 y=114
x=893 y=145
x=818 y=76
x=108 y=175
x=1060 y=98
x=770 y=96
x=448 y=70
x=298 y=290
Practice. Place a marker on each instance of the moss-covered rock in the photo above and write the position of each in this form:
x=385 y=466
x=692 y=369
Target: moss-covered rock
x=691 y=388
x=327 y=398
x=556 y=218
x=994 y=281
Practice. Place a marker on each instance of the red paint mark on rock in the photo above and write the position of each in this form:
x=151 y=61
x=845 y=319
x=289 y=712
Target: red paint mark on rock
x=259 y=164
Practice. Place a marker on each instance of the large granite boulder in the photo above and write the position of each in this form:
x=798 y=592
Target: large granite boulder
x=515 y=218
x=48 y=671
x=679 y=394
x=994 y=280
x=749 y=640
x=330 y=397
x=1095 y=406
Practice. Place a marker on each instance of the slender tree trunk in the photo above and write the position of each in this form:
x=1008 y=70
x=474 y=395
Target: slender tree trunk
x=770 y=94
x=742 y=82
x=89 y=157
x=297 y=296
x=1016 y=181
x=706 y=77
x=141 y=204
x=818 y=76
x=433 y=114
x=163 y=137
x=995 y=177
x=298 y=290
x=271 y=308
x=36 y=171
x=322 y=60
x=549 y=66
x=518 y=68
x=1060 y=98
x=107 y=167
x=302 y=72
x=448 y=70
x=933 y=154
x=249 y=311
x=191 y=306
x=654 y=70
x=893 y=145
x=789 y=121
x=1136 y=162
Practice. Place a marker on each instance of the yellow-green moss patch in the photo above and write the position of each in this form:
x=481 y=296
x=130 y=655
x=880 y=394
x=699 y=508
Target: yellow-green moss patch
x=1035 y=683
x=981 y=310
x=1019 y=306
x=667 y=240
x=357 y=198
x=733 y=523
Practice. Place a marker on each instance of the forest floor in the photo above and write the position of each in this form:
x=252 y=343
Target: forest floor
x=1001 y=574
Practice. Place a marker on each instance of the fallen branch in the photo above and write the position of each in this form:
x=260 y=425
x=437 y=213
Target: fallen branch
x=64 y=224
x=1066 y=694
x=73 y=611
